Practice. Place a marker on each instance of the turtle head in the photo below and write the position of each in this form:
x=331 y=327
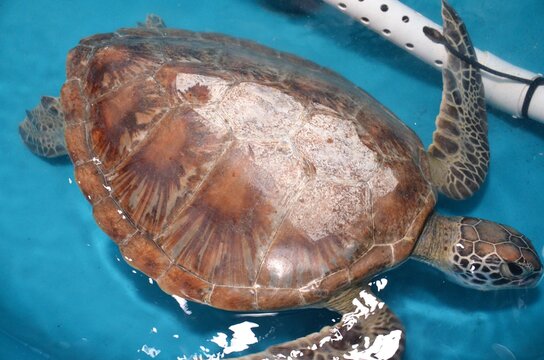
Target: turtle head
x=479 y=254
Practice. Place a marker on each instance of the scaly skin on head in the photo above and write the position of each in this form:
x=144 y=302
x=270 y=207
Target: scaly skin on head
x=478 y=253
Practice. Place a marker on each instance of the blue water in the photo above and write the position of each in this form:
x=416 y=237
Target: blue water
x=65 y=294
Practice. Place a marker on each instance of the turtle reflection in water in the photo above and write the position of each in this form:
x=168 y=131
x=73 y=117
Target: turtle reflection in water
x=249 y=179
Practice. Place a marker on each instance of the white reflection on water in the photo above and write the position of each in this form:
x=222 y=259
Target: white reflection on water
x=242 y=336
x=183 y=304
x=150 y=351
x=365 y=305
x=257 y=314
x=380 y=284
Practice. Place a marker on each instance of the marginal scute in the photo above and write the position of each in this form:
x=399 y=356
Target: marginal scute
x=337 y=280
x=76 y=143
x=375 y=260
x=109 y=217
x=178 y=281
x=228 y=297
x=274 y=298
x=77 y=62
x=98 y=38
x=91 y=182
x=142 y=253
x=73 y=103
x=403 y=248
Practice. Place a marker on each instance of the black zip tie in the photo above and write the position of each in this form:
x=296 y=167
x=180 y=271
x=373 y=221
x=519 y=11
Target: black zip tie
x=537 y=81
x=435 y=36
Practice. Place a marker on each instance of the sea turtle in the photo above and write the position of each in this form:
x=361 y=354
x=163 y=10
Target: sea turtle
x=249 y=179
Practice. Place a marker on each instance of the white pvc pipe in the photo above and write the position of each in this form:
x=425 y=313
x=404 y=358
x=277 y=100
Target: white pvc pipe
x=403 y=26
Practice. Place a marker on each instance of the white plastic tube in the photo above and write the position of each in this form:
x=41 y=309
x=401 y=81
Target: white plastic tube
x=403 y=26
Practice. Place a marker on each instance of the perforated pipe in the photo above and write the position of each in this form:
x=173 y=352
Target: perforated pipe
x=403 y=26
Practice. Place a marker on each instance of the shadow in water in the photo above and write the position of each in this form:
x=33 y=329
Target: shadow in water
x=58 y=161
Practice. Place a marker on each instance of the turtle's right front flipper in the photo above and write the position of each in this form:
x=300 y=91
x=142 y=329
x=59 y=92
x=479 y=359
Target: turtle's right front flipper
x=43 y=128
x=459 y=154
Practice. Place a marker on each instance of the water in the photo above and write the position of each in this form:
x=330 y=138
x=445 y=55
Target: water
x=65 y=292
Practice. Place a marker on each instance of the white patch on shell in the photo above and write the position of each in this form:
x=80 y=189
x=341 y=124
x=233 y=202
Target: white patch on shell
x=280 y=172
x=216 y=86
x=216 y=90
x=382 y=183
x=260 y=112
x=335 y=149
x=340 y=207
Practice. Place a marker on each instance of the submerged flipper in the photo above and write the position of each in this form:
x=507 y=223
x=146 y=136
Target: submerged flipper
x=152 y=21
x=368 y=330
x=43 y=128
x=459 y=154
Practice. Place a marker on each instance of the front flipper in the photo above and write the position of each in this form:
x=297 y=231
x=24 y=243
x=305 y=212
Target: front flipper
x=368 y=330
x=43 y=128
x=459 y=154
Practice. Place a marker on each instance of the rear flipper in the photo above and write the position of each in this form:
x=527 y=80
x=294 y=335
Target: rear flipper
x=43 y=128
x=153 y=22
x=459 y=154
x=368 y=330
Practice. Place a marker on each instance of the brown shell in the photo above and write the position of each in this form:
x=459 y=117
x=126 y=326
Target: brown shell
x=236 y=175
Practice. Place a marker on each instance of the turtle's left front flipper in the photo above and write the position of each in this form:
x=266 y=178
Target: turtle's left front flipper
x=368 y=330
x=459 y=154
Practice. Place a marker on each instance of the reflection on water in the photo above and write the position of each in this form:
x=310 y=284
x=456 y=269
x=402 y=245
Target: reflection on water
x=241 y=335
x=150 y=351
x=503 y=352
x=183 y=304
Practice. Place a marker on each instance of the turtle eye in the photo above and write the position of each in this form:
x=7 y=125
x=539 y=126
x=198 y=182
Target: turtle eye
x=511 y=270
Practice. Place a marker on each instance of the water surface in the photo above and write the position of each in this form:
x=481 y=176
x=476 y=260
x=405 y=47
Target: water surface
x=66 y=294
